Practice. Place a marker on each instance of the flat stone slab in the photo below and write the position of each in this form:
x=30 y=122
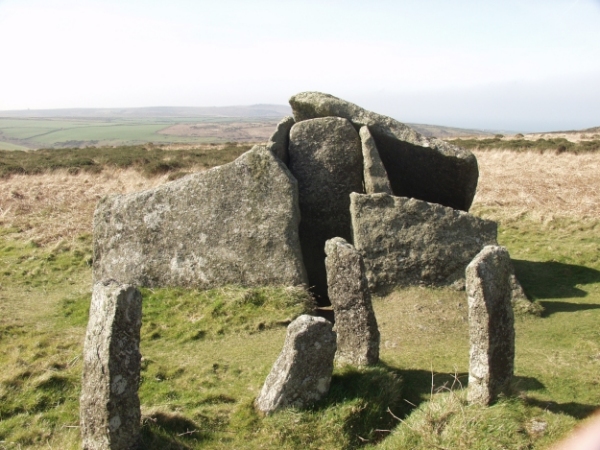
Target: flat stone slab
x=109 y=404
x=355 y=323
x=417 y=166
x=409 y=242
x=302 y=374
x=233 y=224
x=325 y=157
x=491 y=325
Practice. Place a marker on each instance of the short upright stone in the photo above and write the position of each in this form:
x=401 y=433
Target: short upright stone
x=302 y=373
x=109 y=404
x=355 y=323
x=491 y=325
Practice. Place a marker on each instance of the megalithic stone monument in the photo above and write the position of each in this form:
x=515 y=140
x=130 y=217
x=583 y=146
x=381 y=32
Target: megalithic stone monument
x=491 y=325
x=109 y=404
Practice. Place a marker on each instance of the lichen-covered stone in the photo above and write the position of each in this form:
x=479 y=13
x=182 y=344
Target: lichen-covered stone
x=109 y=404
x=408 y=241
x=491 y=325
x=375 y=176
x=424 y=168
x=326 y=159
x=302 y=373
x=233 y=224
x=279 y=140
x=355 y=323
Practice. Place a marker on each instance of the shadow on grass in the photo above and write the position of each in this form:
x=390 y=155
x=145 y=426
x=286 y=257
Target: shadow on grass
x=552 y=279
x=557 y=307
x=576 y=410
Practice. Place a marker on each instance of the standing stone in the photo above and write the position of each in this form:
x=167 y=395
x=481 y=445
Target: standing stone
x=233 y=224
x=405 y=241
x=109 y=404
x=326 y=159
x=279 y=141
x=302 y=373
x=491 y=325
x=355 y=323
x=417 y=166
x=375 y=176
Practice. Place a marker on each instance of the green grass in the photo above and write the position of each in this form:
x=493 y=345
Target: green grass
x=33 y=133
x=9 y=146
x=149 y=159
x=206 y=355
x=557 y=144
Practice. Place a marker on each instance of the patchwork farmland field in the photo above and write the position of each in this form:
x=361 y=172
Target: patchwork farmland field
x=33 y=133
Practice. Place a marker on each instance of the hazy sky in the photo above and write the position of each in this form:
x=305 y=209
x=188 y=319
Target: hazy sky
x=512 y=64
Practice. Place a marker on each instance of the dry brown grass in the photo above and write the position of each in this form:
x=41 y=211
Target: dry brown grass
x=51 y=207
x=543 y=186
x=55 y=206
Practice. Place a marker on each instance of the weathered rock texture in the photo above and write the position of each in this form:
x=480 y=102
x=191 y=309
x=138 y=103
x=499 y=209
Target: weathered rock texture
x=302 y=373
x=326 y=159
x=407 y=241
x=424 y=168
x=279 y=140
x=233 y=224
x=491 y=325
x=109 y=404
x=355 y=323
x=375 y=176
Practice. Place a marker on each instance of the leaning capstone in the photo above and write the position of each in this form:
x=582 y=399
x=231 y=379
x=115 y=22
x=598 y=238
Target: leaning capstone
x=417 y=166
x=233 y=224
x=326 y=159
x=302 y=373
x=491 y=325
x=279 y=141
x=376 y=179
x=109 y=404
x=405 y=241
x=355 y=323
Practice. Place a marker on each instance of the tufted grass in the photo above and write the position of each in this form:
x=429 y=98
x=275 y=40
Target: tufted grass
x=207 y=353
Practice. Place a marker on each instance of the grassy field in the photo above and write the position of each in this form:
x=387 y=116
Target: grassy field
x=34 y=133
x=207 y=353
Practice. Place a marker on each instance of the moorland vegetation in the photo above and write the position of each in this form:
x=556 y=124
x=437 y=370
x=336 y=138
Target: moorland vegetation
x=207 y=353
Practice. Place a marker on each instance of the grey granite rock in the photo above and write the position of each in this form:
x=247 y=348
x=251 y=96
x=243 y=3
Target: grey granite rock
x=424 y=168
x=279 y=140
x=355 y=323
x=491 y=325
x=375 y=176
x=233 y=224
x=109 y=404
x=326 y=159
x=302 y=373
x=407 y=241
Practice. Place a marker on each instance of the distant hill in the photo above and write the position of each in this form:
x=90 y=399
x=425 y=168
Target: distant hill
x=156 y=112
x=441 y=132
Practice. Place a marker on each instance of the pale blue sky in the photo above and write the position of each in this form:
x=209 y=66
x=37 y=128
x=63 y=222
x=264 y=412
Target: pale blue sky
x=520 y=65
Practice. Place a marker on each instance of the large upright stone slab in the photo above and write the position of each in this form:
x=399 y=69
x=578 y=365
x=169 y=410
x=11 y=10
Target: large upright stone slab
x=409 y=242
x=233 y=224
x=355 y=323
x=326 y=159
x=109 y=404
x=424 y=168
x=375 y=176
x=279 y=140
x=302 y=373
x=491 y=325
